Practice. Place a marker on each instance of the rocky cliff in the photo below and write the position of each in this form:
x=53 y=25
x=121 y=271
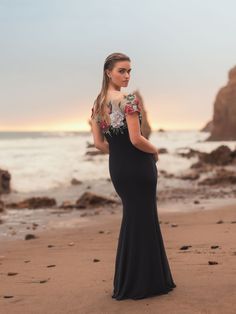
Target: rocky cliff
x=224 y=117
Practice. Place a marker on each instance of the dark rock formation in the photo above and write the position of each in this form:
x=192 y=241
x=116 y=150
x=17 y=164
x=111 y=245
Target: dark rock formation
x=221 y=177
x=33 y=203
x=222 y=155
x=89 y=199
x=219 y=156
x=67 y=205
x=30 y=236
x=224 y=117
x=191 y=153
x=75 y=181
x=5 y=178
x=193 y=175
x=94 y=152
x=1 y=206
x=166 y=174
x=162 y=150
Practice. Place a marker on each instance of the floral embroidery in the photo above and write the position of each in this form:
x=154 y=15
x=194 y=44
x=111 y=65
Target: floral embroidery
x=127 y=105
x=130 y=109
x=104 y=125
x=117 y=119
x=118 y=123
x=132 y=104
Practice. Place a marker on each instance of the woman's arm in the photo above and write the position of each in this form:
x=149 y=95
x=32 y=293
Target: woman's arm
x=98 y=138
x=104 y=147
x=136 y=138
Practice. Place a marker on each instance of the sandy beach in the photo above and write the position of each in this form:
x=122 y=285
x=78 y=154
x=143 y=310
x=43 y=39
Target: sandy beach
x=70 y=270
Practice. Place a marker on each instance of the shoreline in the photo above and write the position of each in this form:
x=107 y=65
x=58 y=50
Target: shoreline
x=17 y=223
x=172 y=195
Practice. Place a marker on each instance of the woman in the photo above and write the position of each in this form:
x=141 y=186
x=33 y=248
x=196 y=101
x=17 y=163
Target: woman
x=141 y=266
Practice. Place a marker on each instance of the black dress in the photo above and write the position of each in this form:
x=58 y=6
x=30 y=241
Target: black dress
x=141 y=266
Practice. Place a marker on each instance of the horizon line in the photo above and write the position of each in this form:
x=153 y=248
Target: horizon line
x=86 y=131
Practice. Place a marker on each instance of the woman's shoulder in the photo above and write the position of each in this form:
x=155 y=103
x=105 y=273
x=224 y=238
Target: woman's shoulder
x=115 y=95
x=121 y=96
x=125 y=101
x=130 y=103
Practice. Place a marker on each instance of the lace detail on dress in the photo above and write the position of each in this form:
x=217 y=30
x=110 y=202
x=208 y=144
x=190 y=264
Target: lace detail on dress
x=119 y=108
x=131 y=104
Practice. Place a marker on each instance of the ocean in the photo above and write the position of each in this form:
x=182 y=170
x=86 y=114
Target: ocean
x=44 y=160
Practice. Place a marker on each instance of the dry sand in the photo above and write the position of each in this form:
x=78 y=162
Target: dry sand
x=77 y=284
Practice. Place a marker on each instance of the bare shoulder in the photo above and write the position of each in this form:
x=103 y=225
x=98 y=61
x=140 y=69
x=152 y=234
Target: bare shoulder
x=117 y=95
x=121 y=97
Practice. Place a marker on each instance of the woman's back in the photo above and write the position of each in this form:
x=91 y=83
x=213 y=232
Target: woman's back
x=118 y=105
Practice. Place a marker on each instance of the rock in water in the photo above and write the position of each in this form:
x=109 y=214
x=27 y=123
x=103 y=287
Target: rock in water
x=1 y=206
x=33 y=203
x=89 y=199
x=5 y=178
x=222 y=155
x=224 y=117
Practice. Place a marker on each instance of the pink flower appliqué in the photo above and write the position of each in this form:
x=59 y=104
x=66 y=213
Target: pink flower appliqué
x=132 y=108
x=129 y=109
x=104 y=125
x=136 y=101
x=132 y=104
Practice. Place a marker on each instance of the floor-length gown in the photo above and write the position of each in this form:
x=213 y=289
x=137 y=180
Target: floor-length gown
x=141 y=265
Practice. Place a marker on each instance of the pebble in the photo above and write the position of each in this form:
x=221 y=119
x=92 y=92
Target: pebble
x=212 y=262
x=185 y=247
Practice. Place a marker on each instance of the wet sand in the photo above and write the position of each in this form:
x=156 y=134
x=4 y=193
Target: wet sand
x=57 y=273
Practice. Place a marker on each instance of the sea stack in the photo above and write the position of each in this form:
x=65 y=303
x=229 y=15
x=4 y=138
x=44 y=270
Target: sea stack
x=224 y=117
x=5 y=178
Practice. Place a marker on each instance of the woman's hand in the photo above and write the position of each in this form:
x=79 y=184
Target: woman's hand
x=156 y=156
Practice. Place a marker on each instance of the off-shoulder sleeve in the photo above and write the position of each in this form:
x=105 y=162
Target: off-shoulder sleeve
x=130 y=104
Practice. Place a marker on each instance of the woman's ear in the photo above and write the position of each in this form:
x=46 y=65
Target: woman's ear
x=108 y=73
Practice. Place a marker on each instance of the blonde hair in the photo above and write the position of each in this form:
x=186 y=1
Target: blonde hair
x=100 y=101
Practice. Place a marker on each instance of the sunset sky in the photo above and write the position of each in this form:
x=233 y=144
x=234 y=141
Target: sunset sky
x=52 y=55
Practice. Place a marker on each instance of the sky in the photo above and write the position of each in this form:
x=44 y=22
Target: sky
x=52 y=55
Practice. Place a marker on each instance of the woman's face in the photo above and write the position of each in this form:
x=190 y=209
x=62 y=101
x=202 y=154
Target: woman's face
x=120 y=74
